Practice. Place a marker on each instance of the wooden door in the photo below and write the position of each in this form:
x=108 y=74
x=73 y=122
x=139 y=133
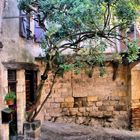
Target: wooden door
x=31 y=85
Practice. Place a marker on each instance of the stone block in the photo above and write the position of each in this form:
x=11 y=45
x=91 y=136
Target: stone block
x=114 y=98
x=108 y=114
x=89 y=104
x=99 y=114
x=64 y=90
x=102 y=108
x=56 y=95
x=50 y=100
x=86 y=114
x=99 y=103
x=113 y=103
x=66 y=94
x=65 y=112
x=120 y=108
x=94 y=108
x=32 y=125
x=135 y=101
x=73 y=111
x=122 y=94
x=55 y=105
x=56 y=112
x=58 y=100
x=63 y=105
x=66 y=105
x=69 y=99
x=32 y=129
x=110 y=108
x=92 y=98
x=80 y=120
x=106 y=103
x=81 y=109
x=79 y=114
x=89 y=109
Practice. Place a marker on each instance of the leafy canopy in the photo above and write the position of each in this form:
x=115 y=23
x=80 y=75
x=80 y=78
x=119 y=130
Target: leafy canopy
x=84 y=28
x=67 y=23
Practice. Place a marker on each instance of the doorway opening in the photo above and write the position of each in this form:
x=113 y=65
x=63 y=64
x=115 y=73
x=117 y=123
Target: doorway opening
x=31 y=86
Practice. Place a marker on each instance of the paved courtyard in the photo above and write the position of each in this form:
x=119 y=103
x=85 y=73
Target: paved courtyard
x=57 y=131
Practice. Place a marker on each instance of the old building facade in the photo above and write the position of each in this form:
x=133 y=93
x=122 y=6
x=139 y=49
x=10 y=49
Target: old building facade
x=95 y=101
x=17 y=70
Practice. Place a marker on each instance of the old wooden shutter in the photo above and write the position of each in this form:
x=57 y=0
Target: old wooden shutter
x=24 y=25
x=39 y=33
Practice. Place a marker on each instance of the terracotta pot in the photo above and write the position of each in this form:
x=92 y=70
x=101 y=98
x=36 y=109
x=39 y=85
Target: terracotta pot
x=9 y=102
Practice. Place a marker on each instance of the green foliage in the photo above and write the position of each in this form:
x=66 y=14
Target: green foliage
x=133 y=50
x=67 y=17
x=24 y=4
x=102 y=71
x=10 y=95
x=70 y=22
x=125 y=10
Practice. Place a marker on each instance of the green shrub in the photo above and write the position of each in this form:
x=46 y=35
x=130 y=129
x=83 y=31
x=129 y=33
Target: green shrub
x=10 y=95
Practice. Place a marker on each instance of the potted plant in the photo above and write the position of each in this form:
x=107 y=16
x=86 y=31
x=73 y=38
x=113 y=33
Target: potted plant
x=10 y=98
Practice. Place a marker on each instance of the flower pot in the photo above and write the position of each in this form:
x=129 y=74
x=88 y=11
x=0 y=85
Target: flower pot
x=9 y=102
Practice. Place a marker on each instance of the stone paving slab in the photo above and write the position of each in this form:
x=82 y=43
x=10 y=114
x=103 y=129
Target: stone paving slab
x=60 y=131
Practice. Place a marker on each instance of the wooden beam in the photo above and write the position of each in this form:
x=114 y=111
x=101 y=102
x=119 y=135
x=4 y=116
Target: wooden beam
x=20 y=65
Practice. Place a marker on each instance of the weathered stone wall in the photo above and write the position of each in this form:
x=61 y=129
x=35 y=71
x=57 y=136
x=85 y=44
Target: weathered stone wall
x=135 y=96
x=96 y=101
x=15 y=49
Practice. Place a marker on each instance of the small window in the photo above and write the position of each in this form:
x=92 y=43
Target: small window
x=12 y=80
x=80 y=102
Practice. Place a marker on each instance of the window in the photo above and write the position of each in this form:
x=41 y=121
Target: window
x=12 y=80
x=80 y=101
x=30 y=29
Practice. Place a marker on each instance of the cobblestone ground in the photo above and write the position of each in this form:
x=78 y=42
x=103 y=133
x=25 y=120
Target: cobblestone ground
x=59 y=131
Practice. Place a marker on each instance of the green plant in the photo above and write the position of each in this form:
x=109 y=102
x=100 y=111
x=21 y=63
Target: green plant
x=10 y=96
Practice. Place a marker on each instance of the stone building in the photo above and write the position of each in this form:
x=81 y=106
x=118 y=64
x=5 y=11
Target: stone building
x=95 y=101
x=17 y=68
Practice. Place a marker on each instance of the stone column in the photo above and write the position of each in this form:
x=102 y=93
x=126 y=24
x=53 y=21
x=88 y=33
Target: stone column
x=21 y=100
x=4 y=128
x=135 y=97
x=4 y=132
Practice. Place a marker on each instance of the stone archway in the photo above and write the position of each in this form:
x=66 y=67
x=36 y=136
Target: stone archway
x=135 y=96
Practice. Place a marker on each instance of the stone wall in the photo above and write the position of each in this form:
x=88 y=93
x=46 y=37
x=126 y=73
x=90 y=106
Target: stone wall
x=96 y=101
x=135 y=96
x=15 y=49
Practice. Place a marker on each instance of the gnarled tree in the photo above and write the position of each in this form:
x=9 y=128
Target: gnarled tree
x=83 y=28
